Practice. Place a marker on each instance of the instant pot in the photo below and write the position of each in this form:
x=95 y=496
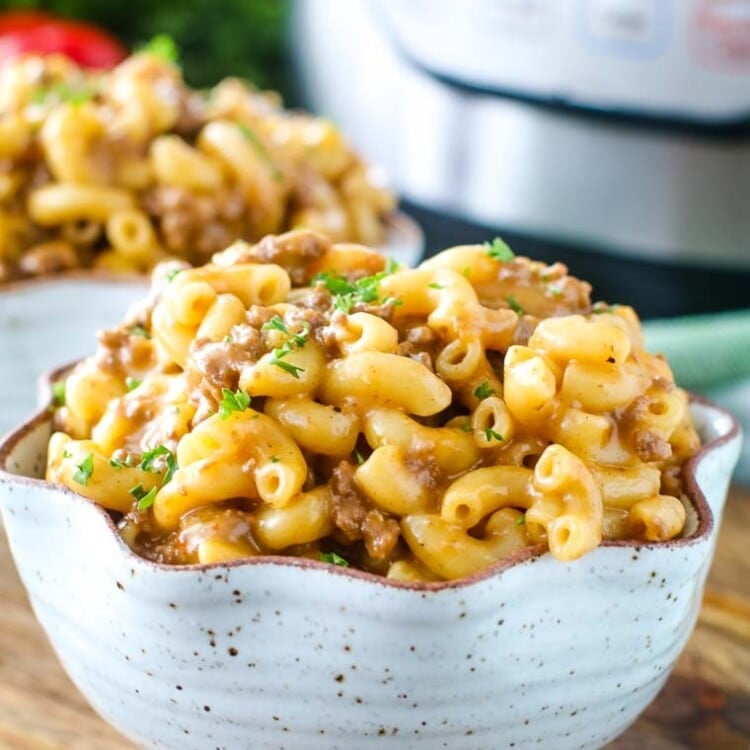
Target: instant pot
x=611 y=134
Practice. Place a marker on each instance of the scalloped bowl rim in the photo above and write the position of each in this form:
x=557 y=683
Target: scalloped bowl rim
x=401 y=228
x=704 y=527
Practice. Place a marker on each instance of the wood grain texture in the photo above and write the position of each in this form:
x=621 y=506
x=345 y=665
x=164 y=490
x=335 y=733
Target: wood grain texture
x=705 y=704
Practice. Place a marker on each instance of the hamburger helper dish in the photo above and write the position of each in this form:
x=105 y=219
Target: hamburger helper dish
x=119 y=170
x=307 y=398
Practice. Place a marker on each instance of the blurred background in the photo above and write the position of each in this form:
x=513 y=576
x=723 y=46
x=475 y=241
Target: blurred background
x=613 y=135
x=245 y=38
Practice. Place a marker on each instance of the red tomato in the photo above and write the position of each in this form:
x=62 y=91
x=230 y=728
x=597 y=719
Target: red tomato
x=29 y=32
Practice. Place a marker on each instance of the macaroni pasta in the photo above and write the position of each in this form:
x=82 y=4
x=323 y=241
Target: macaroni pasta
x=122 y=169
x=420 y=424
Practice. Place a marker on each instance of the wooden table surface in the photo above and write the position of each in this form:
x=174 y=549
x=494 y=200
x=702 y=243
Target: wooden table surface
x=705 y=704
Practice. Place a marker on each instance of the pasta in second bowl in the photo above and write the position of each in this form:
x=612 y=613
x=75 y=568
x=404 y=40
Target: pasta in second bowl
x=259 y=430
x=120 y=170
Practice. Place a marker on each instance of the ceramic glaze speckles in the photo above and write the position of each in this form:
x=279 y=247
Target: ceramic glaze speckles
x=278 y=653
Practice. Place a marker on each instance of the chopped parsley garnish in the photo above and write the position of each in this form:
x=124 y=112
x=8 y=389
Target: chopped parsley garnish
x=260 y=148
x=132 y=383
x=359 y=457
x=275 y=459
x=58 y=392
x=275 y=324
x=491 y=435
x=435 y=285
x=84 y=470
x=148 y=463
x=119 y=463
x=334 y=559
x=163 y=46
x=149 y=458
x=67 y=454
x=466 y=427
x=554 y=289
x=513 y=304
x=227 y=339
x=293 y=370
x=139 y=330
x=602 y=310
x=145 y=499
x=172 y=273
x=251 y=136
x=521 y=520
x=484 y=390
x=233 y=401
x=64 y=92
x=293 y=343
x=499 y=250
x=364 y=291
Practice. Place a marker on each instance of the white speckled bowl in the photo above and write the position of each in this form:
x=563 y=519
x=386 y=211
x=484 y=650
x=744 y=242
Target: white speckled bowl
x=295 y=654
x=50 y=320
x=54 y=319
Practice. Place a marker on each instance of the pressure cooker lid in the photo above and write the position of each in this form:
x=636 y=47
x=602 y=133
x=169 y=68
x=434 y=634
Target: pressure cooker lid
x=673 y=59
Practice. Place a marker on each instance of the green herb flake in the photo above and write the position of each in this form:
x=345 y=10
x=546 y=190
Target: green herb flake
x=170 y=275
x=293 y=370
x=499 y=250
x=260 y=148
x=333 y=283
x=604 y=309
x=484 y=390
x=334 y=559
x=227 y=339
x=491 y=435
x=513 y=304
x=63 y=92
x=359 y=458
x=84 y=470
x=58 y=392
x=391 y=266
x=275 y=459
x=466 y=271
x=466 y=427
x=132 y=383
x=145 y=499
x=119 y=463
x=275 y=324
x=521 y=520
x=172 y=467
x=67 y=454
x=232 y=402
x=163 y=47
x=139 y=330
x=435 y=285
x=150 y=457
x=554 y=290
x=366 y=290
x=293 y=343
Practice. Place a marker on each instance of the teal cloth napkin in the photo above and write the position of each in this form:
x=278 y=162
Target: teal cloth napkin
x=710 y=355
x=705 y=351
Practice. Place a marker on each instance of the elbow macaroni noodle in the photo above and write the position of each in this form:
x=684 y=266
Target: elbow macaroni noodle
x=420 y=424
x=121 y=170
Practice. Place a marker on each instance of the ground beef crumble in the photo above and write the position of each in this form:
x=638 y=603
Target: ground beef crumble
x=355 y=517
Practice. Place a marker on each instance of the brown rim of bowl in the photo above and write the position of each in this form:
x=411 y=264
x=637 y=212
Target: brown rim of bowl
x=398 y=222
x=530 y=554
